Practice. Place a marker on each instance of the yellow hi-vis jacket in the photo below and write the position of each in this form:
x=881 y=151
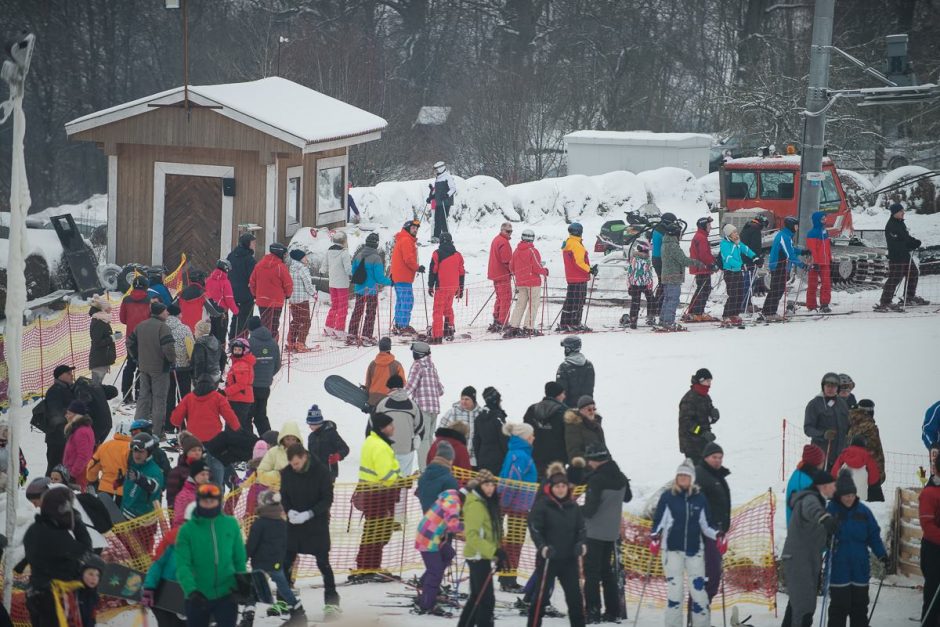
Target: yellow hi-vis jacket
x=377 y=462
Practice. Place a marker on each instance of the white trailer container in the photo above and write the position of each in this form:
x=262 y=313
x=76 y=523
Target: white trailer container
x=599 y=152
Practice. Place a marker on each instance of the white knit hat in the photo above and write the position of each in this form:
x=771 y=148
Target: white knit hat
x=728 y=229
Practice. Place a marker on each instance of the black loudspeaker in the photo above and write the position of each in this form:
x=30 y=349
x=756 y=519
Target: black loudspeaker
x=228 y=187
x=78 y=255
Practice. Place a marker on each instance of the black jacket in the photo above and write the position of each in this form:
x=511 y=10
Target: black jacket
x=714 y=487
x=243 y=263
x=206 y=358
x=310 y=489
x=607 y=490
x=95 y=399
x=267 y=541
x=54 y=552
x=900 y=242
x=557 y=524
x=695 y=422
x=102 y=351
x=328 y=446
x=547 y=417
x=751 y=237
x=58 y=397
x=489 y=442
x=576 y=375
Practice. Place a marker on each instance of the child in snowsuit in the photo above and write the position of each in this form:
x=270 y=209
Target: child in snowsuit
x=640 y=282
x=438 y=526
x=87 y=595
x=862 y=467
x=857 y=532
x=267 y=547
x=445 y=282
x=239 y=390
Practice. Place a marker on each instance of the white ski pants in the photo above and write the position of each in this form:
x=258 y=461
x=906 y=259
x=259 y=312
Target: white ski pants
x=676 y=564
x=526 y=298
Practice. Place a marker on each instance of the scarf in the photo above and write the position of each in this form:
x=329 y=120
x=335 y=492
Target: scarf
x=701 y=389
x=203 y=512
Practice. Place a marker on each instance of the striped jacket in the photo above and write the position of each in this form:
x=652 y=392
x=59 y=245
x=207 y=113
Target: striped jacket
x=441 y=520
x=303 y=289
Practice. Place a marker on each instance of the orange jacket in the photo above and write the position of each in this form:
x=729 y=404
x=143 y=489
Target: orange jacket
x=382 y=367
x=270 y=282
x=239 y=379
x=404 y=257
x=109 y=464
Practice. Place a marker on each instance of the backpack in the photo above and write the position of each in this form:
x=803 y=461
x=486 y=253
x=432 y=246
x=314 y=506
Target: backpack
x=40 y=420
x=97 y=512
x=359 y=276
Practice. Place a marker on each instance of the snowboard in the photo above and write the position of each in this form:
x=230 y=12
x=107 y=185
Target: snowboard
x=121 y=582
x=113 y=510
x=170 y=597
x=346 y=390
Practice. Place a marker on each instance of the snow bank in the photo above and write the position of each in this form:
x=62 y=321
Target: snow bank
x=93 y=209
x=621 y=191
x=676 y=190
x=42 y=242
x=921 y=197
x=711 y=188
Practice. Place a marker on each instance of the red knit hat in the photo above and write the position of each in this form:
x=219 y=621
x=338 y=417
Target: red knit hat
x=813 y=455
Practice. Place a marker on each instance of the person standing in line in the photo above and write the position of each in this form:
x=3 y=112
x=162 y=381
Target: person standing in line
x=578 y=270
x=239 y=380
x=499 y=272
x=808 y=534
x=271 y=284
x=820 y=246
x=862 y=423
x=152 y=346
x=424 y=386
x=108 y=465
x=701 y=251
x=466 y=411
x=192 y=299
x=339 y=271
x=583 y=428
x=267 y=364
x=456 y=438
x=826 y=419
x=156 y=288
x=576 y=373
x=445 y=282
x=697 y=414
x=410 y=423
x=528 y=270
x=102 y=353
x=667 y=220
x=181 y=372
x=403 y=269
x=489 y=443
x=380 y=369
x=368 y=277
x=901 y=266
x=711 y=478
x=219 y=291
x=783 y=258
x=483 y=530
x=242 y=260
x=275 y=458
x=442 y=192
x=752 y=237
x=673 y=263
x=640 y=283
x=846 y=387
x=547 y=418
x=732 y=253
x=516 y=496
x=812 y=459
x=681 y=521
x=135 y=308
x=57 y=400
x=324 y=441
x=929 y=512
x=208 y=358
x=440 y=523
x=299 y=301
x=79 y=443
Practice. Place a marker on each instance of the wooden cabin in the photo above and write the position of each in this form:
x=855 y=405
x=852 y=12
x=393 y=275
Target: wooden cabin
x=185 y=175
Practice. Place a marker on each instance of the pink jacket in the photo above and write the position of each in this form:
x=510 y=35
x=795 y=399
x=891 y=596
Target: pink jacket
x=219 y=289
x=79 y=449
x=186 y=496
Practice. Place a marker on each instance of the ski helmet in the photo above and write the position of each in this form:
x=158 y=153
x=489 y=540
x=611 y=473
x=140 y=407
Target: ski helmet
x=372 y=240
x=440 y=167
x=411 y=223
x=245 y=239
x=576 y=229
x=197 y=276
x=277 y=249
x=420 y=348
x=845 y=381
x=144 y=442
x=124 y=427
x=704 y=221
x=223 y=265
x=571 y=344
x=791 y=222
x=528 y=235
x=673 y=228
x=142 y=424
x=761 y=220
x=447 y=238
x=240 y=342
x=141 y=283
x=830 y=378
x=668 y=218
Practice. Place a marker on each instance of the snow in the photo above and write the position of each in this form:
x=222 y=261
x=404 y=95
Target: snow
x=904 y=172
x=711 y=188
x=93 y=209
x=43 y=242
x=789 y=160
x=307 y=115
x=640 y=138
x=678 y=191
x=432 y=116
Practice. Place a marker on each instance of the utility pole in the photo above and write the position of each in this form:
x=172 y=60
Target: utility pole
x=814 y=122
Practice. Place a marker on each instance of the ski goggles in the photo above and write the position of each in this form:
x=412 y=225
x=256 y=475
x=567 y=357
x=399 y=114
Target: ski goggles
x=209 y=491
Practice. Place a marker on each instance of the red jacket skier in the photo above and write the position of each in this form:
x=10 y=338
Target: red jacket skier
x=498 y=271
x=819 y=244
x=192 y=300
x=701 y=251
x=135 y=307
x=526 y=265
x=445 y=281
x=219 y=288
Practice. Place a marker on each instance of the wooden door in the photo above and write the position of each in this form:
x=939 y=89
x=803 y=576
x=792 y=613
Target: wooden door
x=192 y=221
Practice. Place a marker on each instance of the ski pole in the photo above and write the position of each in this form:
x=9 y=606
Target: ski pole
x=910 y=262
x=487 y=302
x=476 y=602
x=590 y=297
x=933 y=601
x=649 y=575
x=424 y=298
x=827 y=574
x=881 y=582
x=724 y=616
x=538 y=603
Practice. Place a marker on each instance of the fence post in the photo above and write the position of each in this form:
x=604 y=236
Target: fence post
x=68 y=318
x=783 y=452
x=773 y=545
x=42 y=366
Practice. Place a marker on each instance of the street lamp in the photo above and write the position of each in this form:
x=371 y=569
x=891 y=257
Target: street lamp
x=281 y=39
x=176 y=4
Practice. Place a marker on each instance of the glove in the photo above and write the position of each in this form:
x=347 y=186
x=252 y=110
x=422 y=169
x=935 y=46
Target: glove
x=197 y=599
x=580 y=549
x=655 y=544
x=830 y=434
x=459 y=294
x=420 y=269
x=916 y=243
x=299 y=518
x=548 y=552
x=148 y=597
x=145 y=483
x=333 y=459
x=594 y=270
x=722 y=543
x=759 y=262
x=831 y=524
x=715 y=415
x=431 y=292
x=708 y=436
x=132 y=474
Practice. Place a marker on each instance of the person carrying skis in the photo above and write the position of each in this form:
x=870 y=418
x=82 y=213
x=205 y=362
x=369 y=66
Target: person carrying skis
x=673 y=263
x=901 y=266
x=820 y=246
x=442 y=193
x=299 y=301
x=547 y=418
x=711 y=478
x=697 y=414
x=466 y=411
x=860 y=465
x=445 y=282
x=424 y=386
x=812 y=460
x=607 y=490
x=324 y=441
x=681 y=520
x=339 y=270
x=752 y=237
x=239 y=380
x=578 y=270
x=410 y=423
x=368 y=275
x=500 y=273
x=558 y=532
x=483 y=531
x=271 y=285
x=826 y=419
x=576 y=373
x=929 y=512
x=242 y=262
x=808 y=534
x=857 y=532
x=516 y=474
x=640 y=284
x=732 y=252
x=380 y=369
x=701 y=251
x=656 y=240
x=862 y=423
x=135 y=308
x=528 y=270
x=783 y=258
x=489 y=443
x=403 y=269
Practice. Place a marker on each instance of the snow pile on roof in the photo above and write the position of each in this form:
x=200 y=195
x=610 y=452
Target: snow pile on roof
x=711 y=188
x=922 y=196
x=42 y=242
x=676 y=190
x=621 y=191
x=432 y=116
x=640 y=138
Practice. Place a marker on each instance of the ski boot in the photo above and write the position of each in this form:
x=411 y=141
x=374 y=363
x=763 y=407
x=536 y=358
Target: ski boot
x=449 y=331
x=737 y=321
x=552 y=612
x=248 y=618
x=917 y=300
x=563 y=328
x=331 y=613
x=726 y=323
x=521 y=605
x=495 y=328
x=512 y=332
x=437 y=610
x=511 y=586
x=279 y=608
x=624 y=320
x=581 y=328
x=633 y=322
x=824 y=309
x=352 y=340
x=704 y=317
x=610 y=618
x=887 y=308
x=651 y=321
x=435 y=340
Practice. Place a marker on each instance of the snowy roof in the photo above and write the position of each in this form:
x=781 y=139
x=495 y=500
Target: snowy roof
x=432 y=116
x=274 y=106
x=788 y=160
x=641 y=138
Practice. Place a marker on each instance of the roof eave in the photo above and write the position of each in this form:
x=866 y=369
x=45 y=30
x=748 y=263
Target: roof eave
x=322 y=145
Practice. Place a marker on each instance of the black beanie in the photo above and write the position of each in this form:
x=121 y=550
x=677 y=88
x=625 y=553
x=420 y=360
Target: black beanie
x=380 y=421
x=395 y=382
x=470 y=392
x=157 y=308
x=297 y=254
x=553 y=389
x=821 y=477
x=701 y=373
x=254 y=322
x=845 y=484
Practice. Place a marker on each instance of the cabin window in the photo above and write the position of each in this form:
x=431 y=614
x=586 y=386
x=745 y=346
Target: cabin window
x=295 y=191
x=828 y=192
x=331 y=190
x=776 y=185
x=742 y=185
